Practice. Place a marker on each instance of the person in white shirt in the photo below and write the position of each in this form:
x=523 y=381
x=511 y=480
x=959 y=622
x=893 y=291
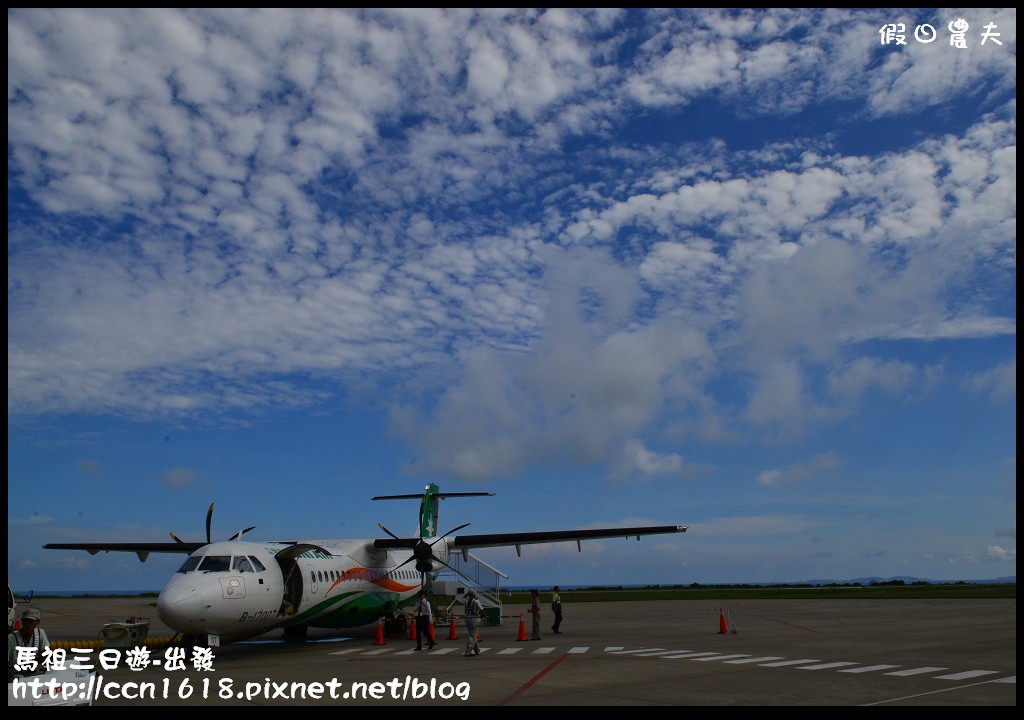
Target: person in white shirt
x=424 y=618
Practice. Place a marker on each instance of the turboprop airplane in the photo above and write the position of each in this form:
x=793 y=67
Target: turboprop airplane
x=238 y=588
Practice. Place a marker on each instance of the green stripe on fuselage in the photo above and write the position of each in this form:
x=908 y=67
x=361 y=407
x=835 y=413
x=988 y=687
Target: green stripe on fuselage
x=351 y=609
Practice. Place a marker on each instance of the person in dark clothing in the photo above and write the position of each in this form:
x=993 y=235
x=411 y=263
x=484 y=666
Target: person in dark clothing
x=424 y=617
x=556 y=608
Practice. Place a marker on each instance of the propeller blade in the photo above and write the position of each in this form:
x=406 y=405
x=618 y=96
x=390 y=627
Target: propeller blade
x=449 y=533
x=411 y=542
x=239 y=534
x=209 y=522
x=411 y=558
x=177 y=539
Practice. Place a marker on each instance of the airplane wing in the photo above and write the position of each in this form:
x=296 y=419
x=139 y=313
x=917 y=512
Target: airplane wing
x=142 y=549
x=466 y=542
x=517 y=539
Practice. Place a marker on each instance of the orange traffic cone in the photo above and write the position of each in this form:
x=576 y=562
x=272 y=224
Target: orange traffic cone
x=723 y=628
x=452 y=635
x=522 y=628
x=380 y=632
x=412 y=628
x=430 y=633
x=478 y=634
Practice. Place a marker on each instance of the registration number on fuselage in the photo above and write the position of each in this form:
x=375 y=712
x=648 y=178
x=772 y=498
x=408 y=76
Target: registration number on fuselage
x=258 y=616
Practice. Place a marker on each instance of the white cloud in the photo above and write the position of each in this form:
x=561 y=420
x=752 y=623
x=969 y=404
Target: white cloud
x=800 y=473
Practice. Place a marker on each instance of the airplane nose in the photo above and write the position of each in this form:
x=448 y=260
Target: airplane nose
x=179 y=607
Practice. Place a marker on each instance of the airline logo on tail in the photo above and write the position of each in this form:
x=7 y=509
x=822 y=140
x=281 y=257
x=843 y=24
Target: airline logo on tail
x=428 y=512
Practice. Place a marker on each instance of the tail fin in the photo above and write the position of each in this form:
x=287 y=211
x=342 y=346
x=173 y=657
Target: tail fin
x=428 y=512
x=429 y=506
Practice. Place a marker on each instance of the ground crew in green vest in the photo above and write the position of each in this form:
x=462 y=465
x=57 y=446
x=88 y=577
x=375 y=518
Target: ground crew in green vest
x=556 y=608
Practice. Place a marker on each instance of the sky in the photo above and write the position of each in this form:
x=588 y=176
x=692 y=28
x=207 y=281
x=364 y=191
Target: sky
x=748 y=271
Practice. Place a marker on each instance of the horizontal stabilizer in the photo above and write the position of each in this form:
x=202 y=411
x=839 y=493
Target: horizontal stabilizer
x=419 y=496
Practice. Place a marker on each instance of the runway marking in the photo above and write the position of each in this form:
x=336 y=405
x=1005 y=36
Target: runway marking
x=734 y=659
x=916 y=671
x=719 y=657
x=934 y=692
x=530 y=683
x=966 y=675
x=826 y=666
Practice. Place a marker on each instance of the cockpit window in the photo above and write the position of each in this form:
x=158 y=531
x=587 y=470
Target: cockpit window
x=190 y=564
x=240 y=563
x=260 y=567
x=215 y=563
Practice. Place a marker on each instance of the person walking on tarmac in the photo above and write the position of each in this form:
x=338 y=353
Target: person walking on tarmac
x=424 y=617
x=556 y=608
x=473 y=612
x=535 y=611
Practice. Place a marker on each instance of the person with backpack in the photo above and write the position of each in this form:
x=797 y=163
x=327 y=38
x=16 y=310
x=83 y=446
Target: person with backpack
x=474 y=609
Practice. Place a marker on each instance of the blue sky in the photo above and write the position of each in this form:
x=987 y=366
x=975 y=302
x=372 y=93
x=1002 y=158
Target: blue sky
x=750 y=271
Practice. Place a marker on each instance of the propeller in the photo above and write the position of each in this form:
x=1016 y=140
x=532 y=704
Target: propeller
x=209 y=527
x=423 y=553
x=238 y=535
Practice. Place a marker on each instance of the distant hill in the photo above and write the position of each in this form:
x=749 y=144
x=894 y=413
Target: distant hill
x=1010 y=579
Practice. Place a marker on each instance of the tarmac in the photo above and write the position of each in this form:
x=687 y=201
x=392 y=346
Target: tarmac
x=826 y=652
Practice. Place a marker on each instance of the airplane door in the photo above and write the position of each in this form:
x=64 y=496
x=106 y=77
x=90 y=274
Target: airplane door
x=291 y=571
x=292 y=575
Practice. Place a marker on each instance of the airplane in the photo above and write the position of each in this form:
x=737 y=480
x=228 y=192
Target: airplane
x=234 y=589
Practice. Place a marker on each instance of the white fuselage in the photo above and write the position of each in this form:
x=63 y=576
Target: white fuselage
x=238 y=588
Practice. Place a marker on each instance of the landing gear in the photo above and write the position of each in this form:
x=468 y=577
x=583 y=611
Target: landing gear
x=296 y=632
x=397 y=624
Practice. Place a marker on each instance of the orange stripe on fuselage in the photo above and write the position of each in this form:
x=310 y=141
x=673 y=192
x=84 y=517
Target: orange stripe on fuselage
x=365 y=574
